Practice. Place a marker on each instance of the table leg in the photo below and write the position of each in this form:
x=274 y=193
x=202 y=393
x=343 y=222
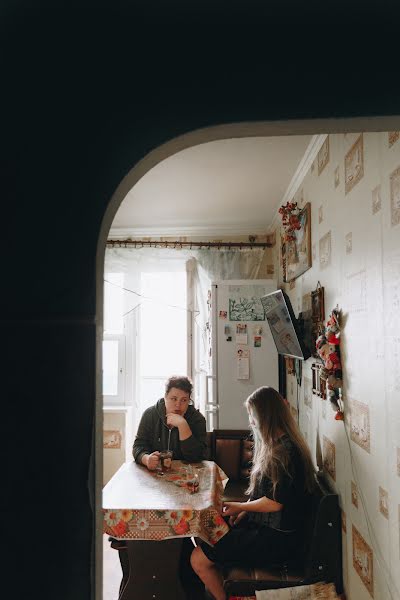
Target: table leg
x=154 y=571
x=124 y=560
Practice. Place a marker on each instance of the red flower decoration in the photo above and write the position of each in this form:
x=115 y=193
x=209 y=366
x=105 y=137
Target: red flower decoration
x=218 y=520
x=181 y=527
x=290 y=219
x=120 y=528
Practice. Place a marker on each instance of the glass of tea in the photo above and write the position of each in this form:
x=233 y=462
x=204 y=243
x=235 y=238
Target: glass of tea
x=192 y=479
x=165 y=461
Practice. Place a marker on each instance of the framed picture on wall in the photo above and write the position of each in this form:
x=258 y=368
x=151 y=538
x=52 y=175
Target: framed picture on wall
x=317 y=316
x=298 y=251
x=112 y=439
x=318 y=304
x=282 y=256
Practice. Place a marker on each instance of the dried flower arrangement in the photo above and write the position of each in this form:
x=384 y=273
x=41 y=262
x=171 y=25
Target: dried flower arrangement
x=290 y=220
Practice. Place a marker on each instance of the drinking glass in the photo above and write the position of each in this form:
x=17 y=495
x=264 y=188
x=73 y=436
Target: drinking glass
x=193 y=479
x=165 y=461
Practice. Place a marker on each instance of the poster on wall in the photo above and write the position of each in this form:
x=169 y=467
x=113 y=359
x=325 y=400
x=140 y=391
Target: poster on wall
x=246 y=306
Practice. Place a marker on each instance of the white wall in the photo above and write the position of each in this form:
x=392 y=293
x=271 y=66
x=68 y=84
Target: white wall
x=119 y=420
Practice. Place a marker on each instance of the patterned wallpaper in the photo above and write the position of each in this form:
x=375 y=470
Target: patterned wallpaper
x=354 y=191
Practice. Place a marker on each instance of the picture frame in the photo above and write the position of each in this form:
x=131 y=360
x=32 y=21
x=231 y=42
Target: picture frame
x=297 y=252
x=318 y=384
x=112 y=439
x=317 y=315
x=282 y=255
x=289 y=360
x=318 y=304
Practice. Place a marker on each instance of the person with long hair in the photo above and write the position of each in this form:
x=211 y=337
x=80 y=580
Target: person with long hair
x=267 y=529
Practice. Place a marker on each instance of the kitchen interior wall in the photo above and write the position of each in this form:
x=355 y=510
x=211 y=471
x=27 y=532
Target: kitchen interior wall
x=353 y=187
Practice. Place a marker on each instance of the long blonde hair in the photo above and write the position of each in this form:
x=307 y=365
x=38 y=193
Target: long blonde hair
x=273 y=416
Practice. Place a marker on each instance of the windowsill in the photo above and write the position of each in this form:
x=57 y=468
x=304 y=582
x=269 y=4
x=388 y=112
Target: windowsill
x=116 y=408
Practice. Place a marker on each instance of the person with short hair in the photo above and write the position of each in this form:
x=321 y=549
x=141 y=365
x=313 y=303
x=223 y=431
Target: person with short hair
x=172 y=423
x=268 y=528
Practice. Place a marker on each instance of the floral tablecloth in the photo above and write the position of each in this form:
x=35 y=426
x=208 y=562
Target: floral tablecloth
x=141 y=505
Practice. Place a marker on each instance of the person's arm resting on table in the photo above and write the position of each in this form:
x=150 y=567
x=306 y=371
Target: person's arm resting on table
x=263 y=504
x=142 y=451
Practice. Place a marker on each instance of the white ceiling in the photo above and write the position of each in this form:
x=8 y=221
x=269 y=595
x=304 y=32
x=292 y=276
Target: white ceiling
x=223 y=186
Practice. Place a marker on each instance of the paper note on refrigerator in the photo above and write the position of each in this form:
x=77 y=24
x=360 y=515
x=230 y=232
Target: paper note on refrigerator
x=241 y=338
x=243 y=368
x=242 y=362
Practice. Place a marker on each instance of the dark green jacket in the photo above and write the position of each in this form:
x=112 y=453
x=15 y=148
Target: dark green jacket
x=152 y=435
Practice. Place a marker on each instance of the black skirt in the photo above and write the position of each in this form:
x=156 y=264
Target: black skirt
x=251 y=545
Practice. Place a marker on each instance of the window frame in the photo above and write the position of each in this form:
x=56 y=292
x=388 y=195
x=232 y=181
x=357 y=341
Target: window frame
x=119 y=398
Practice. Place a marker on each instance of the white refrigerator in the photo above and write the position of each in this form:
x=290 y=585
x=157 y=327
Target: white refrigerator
x=243 y=353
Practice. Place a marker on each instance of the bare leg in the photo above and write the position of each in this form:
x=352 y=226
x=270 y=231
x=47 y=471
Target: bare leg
x=208 y=573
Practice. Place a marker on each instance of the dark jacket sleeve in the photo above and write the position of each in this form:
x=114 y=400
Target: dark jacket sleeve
x=194 y=448
x=144 y=436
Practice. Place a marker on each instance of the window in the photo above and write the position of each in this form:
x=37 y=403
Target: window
x=146 y=333
x=113 y=369
x=113 y=303
x=163 y=331
x=113 y=340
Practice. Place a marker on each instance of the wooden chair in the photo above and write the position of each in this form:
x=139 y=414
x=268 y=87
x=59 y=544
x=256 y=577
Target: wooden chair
x=233 y=452
x=320 y=560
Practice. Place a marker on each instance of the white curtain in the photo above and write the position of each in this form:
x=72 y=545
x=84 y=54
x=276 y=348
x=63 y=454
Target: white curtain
x=218 y=264
x=230 y=264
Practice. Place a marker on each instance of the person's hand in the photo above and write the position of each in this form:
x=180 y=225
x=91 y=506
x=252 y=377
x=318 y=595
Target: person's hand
x=232 y=508
x=235 y=519
x=151 y=460
x=174 y=420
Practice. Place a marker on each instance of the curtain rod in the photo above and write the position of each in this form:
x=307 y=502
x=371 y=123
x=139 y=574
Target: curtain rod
x=171 y=244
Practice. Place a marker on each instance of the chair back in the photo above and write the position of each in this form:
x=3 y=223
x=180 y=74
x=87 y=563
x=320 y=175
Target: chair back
x=210 y=445
x=233 y=452
x=323 y=545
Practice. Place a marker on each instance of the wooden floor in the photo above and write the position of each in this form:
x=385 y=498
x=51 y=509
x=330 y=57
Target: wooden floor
x=112 y=573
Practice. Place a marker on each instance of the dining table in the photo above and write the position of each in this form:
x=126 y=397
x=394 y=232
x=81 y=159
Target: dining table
x=149 y=515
